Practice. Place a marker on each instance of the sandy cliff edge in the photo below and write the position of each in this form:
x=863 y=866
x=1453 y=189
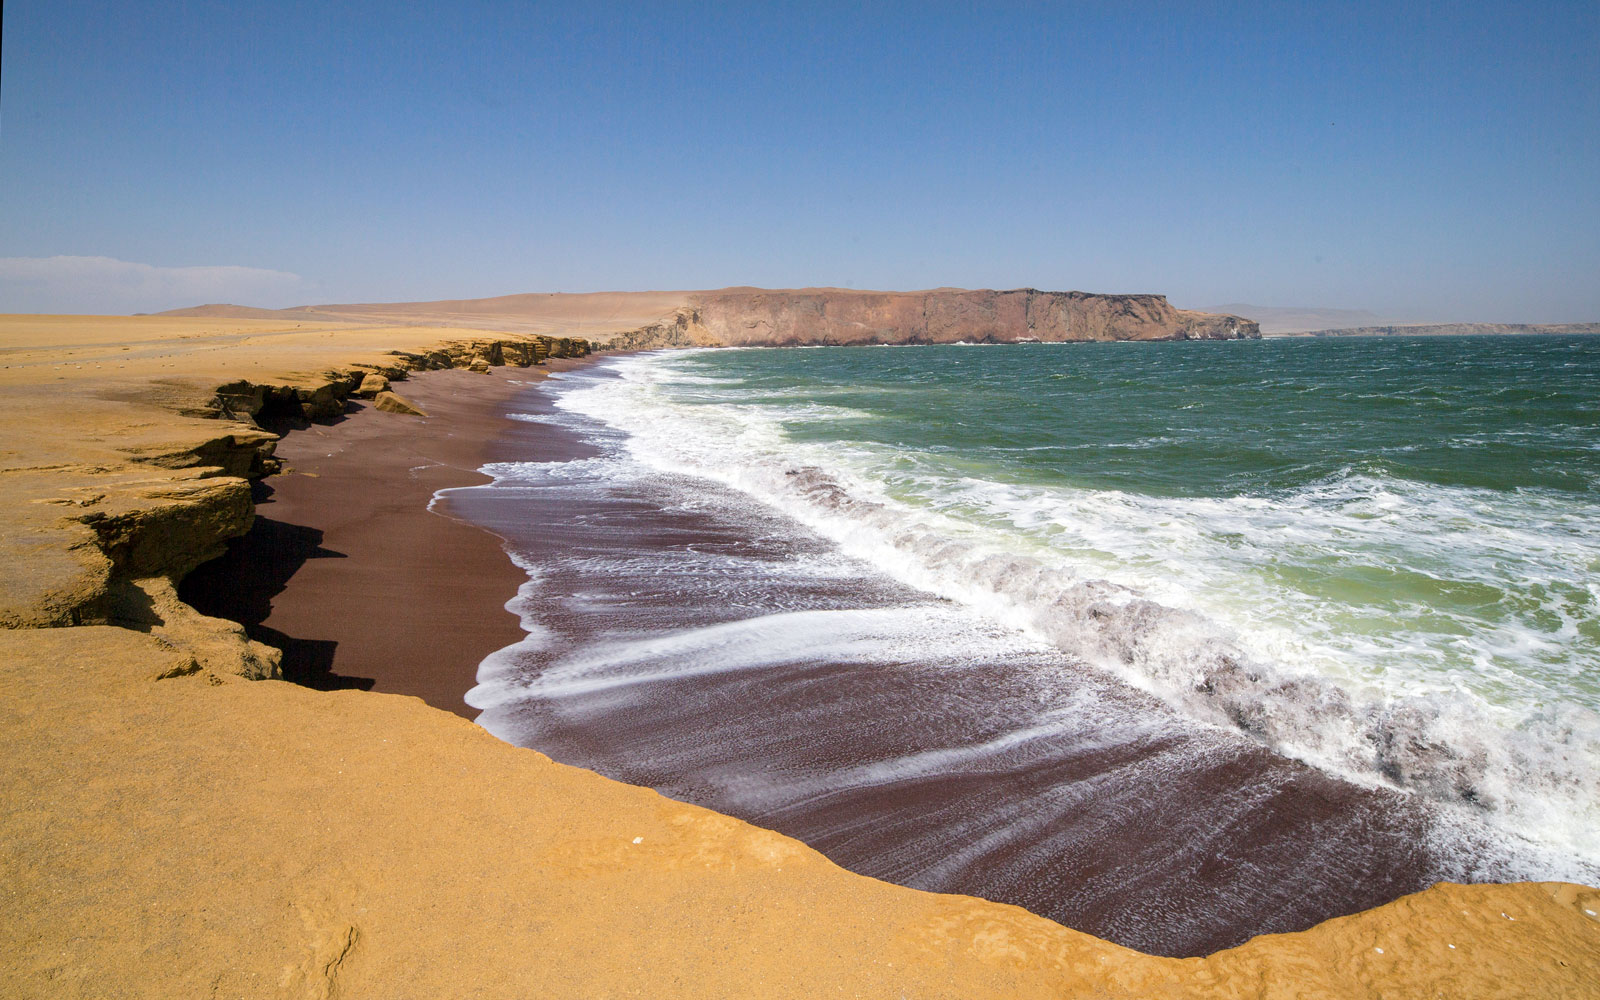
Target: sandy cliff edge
x=173 y=828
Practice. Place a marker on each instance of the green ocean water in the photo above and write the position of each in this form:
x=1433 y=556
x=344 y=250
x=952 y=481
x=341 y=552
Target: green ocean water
x=1382 y=555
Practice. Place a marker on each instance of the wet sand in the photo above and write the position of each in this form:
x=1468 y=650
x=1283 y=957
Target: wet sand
x=680 y=648
x=347 y=570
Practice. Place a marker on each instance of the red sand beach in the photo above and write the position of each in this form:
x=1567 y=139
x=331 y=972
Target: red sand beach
x=350 y=573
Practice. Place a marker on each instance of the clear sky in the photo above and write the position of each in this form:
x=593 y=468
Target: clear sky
x=1424 y=161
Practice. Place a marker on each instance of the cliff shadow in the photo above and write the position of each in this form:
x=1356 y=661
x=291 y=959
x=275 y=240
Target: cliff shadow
x=240 y=585
x=282 y=419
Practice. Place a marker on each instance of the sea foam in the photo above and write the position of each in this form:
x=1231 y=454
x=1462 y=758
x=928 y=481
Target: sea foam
x=1178 y=596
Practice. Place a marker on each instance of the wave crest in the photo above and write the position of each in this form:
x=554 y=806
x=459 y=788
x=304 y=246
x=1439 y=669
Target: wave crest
x=1534 y=776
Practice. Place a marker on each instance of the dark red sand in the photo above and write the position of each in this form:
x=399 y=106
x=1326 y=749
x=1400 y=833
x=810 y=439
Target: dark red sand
x=348 y=571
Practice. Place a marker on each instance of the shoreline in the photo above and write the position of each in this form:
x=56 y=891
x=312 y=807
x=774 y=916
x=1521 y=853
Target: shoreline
x=356 y=842
x=460 y=565
x=348 y=569
x=788 y=743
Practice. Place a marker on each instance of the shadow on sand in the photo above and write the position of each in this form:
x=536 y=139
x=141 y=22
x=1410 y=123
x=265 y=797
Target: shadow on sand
x=240 y=585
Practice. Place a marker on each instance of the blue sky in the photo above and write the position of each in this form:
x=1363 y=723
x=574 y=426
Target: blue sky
x=1420 y=161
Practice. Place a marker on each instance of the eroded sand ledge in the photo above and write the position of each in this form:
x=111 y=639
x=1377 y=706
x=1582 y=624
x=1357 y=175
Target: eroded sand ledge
x=172 y=828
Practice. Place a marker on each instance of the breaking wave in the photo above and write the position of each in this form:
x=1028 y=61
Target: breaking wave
x=1213 y=603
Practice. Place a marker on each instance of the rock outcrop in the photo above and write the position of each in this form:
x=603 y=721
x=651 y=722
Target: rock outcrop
x=944 y=316
x=128 y=485
x=393 y=402
x=755 y=317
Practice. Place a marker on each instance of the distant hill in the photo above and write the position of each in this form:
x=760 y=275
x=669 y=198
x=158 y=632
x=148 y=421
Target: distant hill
x=592 y=315
x=222 y=310
x=1453 y=330
x=1277 y=320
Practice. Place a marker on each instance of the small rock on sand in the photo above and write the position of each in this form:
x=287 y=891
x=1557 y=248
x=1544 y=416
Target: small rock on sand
x=393 y=402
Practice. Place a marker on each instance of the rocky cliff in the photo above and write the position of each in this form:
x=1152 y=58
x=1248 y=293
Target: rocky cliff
x=757 y=317
x=111 y=480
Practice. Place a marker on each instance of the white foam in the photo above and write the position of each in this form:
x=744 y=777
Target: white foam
x=1180 y=595
x=498 y=669
x=864 y=636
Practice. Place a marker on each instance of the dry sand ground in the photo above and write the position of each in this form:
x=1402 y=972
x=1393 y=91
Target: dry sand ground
x=171 y=828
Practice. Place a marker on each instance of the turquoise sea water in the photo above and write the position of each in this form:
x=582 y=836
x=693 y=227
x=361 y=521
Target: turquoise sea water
x=1381 y=556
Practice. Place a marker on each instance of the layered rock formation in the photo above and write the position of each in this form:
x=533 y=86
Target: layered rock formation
x=947 y=315
x=174 y=822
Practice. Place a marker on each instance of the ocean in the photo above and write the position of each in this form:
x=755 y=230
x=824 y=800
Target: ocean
x=1176 y=643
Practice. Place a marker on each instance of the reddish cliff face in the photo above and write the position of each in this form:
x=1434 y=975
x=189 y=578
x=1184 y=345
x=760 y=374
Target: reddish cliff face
x=749 y=316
